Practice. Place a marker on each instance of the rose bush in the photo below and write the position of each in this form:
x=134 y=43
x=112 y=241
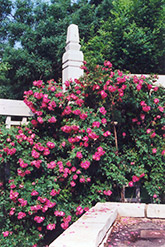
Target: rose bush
x=81 y=147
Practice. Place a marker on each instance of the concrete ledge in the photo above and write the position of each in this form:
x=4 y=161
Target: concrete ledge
x=91 y=228
x=126 y=209
x=156 y=211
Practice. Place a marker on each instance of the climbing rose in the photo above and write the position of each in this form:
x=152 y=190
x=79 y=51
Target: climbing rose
x=6 y=234
x=85 y=164
x=79 y=155
x=104 y=121
x=72 y=183
x=21 y=215
x=146 y=108
x=50 y=144
x=161 y=108
x=50 y=227
x=52 y=120
x=156 y=101
x=135 y=179
x=130 y=184
x=102 y=110
x=39 y=219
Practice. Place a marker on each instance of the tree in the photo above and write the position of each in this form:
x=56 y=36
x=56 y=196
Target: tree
x=40 y=30
x=131 y=43
x=33 y=34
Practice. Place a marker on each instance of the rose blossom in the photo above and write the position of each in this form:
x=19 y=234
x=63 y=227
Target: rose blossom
x=52 y=120
x=50 y=227
x=103 y=94
x=130 y=184
x=50 y=145
x=82 y=180
x=39 y=219
x=161 y=108
x=154 y=150
x=103 y=121
x=148 y=131
x=153 y=135
x=6 y=234
x=40 y=120
x=21 y=215
x=35 y=154
x=73 y=184
x=107 y=133
x=139 y=86
x=123 y=134
x=135 y=179
x=142 y=116
x=156 y=101
x=85 y=164
x=79 y=155
x=34 y=193
x=96 y=124
x=146 y=108
x=102 y=110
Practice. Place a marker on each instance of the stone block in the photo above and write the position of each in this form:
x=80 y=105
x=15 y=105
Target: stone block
x=88 y=231
x=156 y=211
x=126 y=209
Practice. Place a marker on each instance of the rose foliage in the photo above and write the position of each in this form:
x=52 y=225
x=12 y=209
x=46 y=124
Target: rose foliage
x=82 y=146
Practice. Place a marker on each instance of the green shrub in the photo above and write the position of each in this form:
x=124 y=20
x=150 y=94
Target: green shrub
x=80 y=147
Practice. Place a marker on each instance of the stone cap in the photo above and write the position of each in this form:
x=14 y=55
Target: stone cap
x=72 y=34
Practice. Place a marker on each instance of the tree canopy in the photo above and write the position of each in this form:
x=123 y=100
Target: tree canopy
x=33 y=34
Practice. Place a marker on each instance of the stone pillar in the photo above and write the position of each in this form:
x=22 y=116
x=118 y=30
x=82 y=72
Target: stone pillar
x=73 y=57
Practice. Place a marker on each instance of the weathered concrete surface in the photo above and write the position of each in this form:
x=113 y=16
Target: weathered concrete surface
x=89 y=230
x=126 y=209
x=156 y=211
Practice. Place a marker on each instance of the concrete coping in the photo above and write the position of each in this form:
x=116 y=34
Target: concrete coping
x=92 y=227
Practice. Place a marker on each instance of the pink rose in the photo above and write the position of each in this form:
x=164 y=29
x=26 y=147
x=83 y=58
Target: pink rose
x=21 y=215
x=104 y=121
x=103 y=94
x=73 y=184
x=52 y=120
x=130 y=184
x=161 y=108
x=154 y=150
x=148 y=131
x=6 y=234
x=146 y=108
x=135 y=179
x=153 y=135
x=156 y=101
x=50 y=227
x=79 y=155
x=139 y=86
x=102 y=110
x=50 y=145
x=96 y=124
x=123 y=134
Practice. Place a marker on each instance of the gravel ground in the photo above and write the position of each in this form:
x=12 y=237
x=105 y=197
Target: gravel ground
x=137 y=232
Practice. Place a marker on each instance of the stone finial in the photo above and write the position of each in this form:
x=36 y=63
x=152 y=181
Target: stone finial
x=73 y=58
x=72 y=34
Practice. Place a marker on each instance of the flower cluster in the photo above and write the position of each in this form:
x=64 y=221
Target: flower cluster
x=80 y=147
